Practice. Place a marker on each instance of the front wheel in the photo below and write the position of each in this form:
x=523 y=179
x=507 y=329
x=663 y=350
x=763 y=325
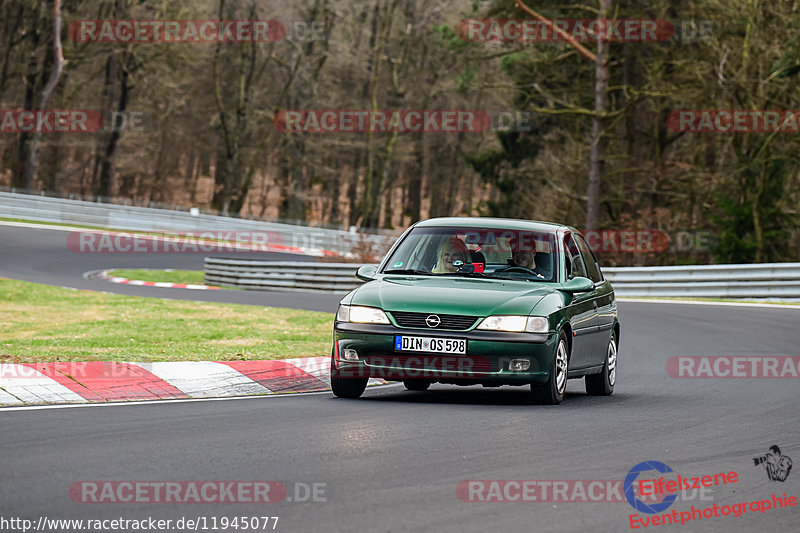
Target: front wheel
x=346 y=387
x=552 y=392
x=602 y=384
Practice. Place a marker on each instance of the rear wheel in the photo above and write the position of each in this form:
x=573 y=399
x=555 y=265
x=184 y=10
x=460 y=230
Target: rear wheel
x=346 y=387
x=602 y=384
x=416 y=384
x=552 y=392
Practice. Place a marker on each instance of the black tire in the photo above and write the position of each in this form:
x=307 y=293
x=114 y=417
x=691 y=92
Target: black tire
x=346 y=387
x=602 y=384
x=552 y=392
x=418 y=385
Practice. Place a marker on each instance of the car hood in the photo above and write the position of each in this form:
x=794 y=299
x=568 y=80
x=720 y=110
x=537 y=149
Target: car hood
x=451 y=295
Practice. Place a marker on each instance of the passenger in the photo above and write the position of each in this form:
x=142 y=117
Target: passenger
x=451 y=251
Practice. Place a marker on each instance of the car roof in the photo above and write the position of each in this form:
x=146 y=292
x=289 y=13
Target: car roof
x=490 y=222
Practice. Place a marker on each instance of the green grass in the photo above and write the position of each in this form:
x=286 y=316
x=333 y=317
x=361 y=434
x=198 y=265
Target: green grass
x=43 y=323
x=169 y=276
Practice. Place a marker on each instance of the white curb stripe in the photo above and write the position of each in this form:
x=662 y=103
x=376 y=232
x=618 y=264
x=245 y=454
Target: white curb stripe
x=31 y=386
x=9 y=399
x=319 y=367
x=204 y=379
x=104 y=275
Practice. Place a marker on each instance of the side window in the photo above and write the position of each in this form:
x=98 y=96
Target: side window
x=574 y=256
x=589 y=259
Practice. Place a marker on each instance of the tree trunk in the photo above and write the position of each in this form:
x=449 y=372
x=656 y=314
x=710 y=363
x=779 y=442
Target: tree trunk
x=55 y=74
x=32 y=79
x=106 y=186
x=596 y=154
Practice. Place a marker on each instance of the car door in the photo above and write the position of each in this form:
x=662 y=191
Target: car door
x=603 y=301
x=582 y=308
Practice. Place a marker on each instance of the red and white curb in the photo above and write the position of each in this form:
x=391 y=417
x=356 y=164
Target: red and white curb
x=97 y=381
x=104 y=275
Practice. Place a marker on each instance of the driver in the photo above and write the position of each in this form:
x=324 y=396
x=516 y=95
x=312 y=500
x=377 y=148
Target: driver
x=523 y=257
x=451 y=251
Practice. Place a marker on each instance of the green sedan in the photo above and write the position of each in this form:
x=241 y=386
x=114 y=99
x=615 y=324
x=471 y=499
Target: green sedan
x=480 y=301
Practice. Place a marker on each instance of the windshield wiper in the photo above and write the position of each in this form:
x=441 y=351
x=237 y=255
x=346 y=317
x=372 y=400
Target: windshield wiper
x=406 y=271
x=528 y=277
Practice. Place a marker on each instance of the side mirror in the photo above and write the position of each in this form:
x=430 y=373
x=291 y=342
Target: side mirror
x=578 y=284
x=366 y=272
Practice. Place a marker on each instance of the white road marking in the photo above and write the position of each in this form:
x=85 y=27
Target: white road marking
x=42 y=226
x=694 y=302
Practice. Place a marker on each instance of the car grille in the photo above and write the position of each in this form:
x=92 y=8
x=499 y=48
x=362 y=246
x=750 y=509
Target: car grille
x=445 y=363
x=418 y=320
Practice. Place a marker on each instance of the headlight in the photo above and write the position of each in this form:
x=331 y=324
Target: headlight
x=361 y=315
x=531 y=324
x=503 y=323
x=537 y=324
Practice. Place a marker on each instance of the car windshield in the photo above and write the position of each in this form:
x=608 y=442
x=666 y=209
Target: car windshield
x=502 y=253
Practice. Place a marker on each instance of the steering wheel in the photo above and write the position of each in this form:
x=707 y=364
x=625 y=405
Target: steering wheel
x=520 y=269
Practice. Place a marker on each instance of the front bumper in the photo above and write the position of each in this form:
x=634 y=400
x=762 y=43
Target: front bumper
x=486 y=361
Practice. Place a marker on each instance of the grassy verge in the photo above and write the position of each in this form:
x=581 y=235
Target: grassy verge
x=169 y=276
x=44 y=323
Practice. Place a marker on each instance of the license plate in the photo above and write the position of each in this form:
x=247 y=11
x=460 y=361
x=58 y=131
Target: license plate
x=403 y=343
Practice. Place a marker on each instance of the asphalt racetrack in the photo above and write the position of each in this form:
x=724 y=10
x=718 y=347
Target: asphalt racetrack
x=393 y=460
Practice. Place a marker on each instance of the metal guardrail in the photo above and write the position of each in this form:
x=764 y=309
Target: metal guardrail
x=281 y=275
x=311 y=240
x=760 y=281
x=755 y=281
